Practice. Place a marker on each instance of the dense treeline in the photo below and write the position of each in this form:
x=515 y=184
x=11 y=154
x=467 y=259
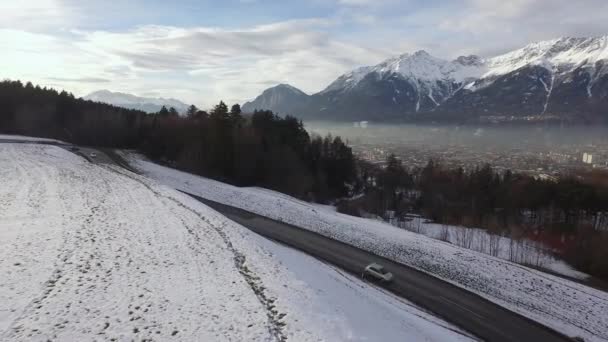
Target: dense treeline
x=504 y=203
x=31 y=110
x=260 y=149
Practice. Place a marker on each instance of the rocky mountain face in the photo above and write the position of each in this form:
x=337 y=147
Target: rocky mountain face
x=282 y=99
x=565 y=78
x=146 y=104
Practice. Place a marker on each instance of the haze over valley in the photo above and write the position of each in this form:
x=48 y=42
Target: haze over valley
x=536 y=150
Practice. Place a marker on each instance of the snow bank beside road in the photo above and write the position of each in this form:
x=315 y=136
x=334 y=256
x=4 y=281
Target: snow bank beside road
x=523 y=251
x=565 y=306
x=95 y=252
x=373 y=315
x=32 y=139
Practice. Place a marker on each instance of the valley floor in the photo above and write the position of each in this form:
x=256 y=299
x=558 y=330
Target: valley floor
x=93 y=252
x=566 y=306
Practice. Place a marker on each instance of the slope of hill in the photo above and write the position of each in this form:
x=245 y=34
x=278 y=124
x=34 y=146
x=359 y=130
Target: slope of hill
x=146 y=104
x=563 y=78
x=566 y=306
x=94 y=252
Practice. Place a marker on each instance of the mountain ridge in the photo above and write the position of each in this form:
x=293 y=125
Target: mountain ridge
x=130 y=101
x=560 y=78
x=274 y=98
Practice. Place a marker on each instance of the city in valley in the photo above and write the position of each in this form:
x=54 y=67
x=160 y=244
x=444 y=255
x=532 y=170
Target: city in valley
x=542 y=151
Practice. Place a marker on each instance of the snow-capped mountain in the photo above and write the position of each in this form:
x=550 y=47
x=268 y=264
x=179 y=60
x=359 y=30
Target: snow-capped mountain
x=282 y=98
x=561 y=55
x=146 y=104
x=408 y=83
x=565 y=77
x=420 y=67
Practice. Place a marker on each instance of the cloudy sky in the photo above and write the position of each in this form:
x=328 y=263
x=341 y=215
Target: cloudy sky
x=201 y=51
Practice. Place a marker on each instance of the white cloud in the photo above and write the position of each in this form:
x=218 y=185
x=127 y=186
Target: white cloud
x=496 y=25
x=35 y=14
x=369 y=3
x=199 y=65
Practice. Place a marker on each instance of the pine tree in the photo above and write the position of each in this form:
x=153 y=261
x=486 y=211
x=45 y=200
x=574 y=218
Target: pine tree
x=235 y=115
x=235 y=110
x=220 y=111
x=164 y=112
x=192 y=110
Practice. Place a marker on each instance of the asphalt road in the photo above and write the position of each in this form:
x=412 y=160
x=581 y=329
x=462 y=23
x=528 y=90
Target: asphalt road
x=462 y=308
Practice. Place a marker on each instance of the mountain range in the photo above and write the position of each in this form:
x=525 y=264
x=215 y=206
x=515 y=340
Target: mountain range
x=146 y=104
x=560 y=79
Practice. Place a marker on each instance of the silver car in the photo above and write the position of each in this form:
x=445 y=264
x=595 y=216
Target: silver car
x=93 y=155
x=378 y=272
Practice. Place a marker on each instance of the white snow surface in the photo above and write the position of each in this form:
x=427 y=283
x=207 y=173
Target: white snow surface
x=522 y=251
x=424 y=67
x=562 y=55
x=566 y=306
x=90 y=252
x=349 y=80
x=357 y=310
x=419 y=67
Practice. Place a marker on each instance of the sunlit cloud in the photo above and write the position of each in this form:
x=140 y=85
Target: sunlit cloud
x=212 y=63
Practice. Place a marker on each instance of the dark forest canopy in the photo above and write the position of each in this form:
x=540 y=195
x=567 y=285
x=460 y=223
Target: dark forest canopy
x=260 y=149
x=511 y=204
x=43 y=112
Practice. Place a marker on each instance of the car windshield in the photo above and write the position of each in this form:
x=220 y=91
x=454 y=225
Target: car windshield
x=378 y=268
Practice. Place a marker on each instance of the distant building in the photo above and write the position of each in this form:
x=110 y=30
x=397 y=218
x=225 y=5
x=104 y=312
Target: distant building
x=587 y=158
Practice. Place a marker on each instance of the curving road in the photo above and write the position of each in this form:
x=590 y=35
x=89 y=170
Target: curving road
x=467 y=310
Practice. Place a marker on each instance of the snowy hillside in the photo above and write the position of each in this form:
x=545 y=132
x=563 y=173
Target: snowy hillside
x=146 y=104
x=91 y=252
x=566 y=306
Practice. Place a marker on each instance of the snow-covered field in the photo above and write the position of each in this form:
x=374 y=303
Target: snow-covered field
x=91 y=252
x=566 y=306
